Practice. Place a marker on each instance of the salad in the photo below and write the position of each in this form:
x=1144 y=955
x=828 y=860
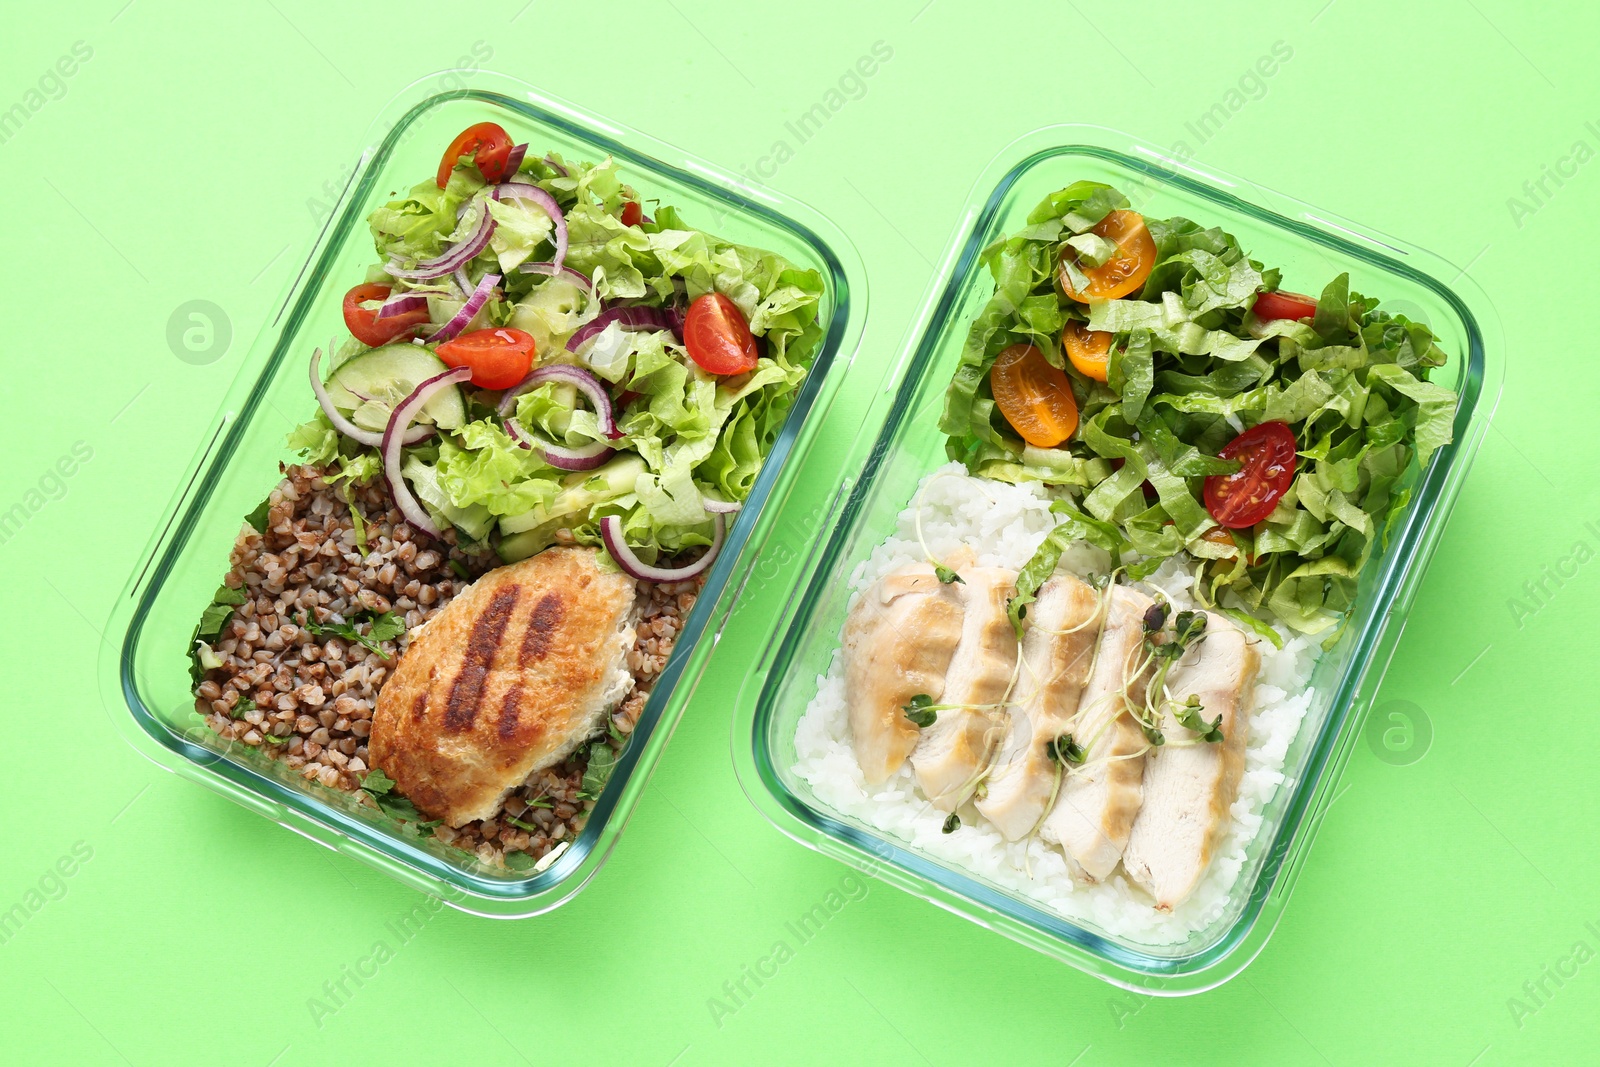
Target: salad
x=1181 y=402
x=535 y=360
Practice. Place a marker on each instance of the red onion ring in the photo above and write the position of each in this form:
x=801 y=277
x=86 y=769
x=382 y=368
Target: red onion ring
x=394 y=439
x=463 y=282
x=586 y=458
x=587 y=384
x=558 y=168
x=719 y=507
x=401 y=303
x=474 y=304
x=514 y=158
x=547 y=204
x=629 y=318
x=459 y=256
x=611 y=533
x=344 y=425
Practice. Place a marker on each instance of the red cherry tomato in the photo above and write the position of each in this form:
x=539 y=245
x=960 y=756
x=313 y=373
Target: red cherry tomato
x=632 y=213
x=364 y=322
x=1281 y=305
x=489 y=146
x=718 y=337
x=499 y=357
x=1266 y=453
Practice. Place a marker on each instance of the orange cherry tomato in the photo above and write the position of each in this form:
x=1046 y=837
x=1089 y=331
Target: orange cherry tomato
x=718 y=337
x=499 y=357
x=1282 y=305
x=1089 y=350
x=489 y=146
x=1035 y=397
x=364 y=323
x=632 y=213
x=1123 y=272
x=1219 y=536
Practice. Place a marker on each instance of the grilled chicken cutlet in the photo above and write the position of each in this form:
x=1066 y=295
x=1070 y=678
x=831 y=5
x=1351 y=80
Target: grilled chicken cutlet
x=1099 y=798
x=1189 y=789
x=897 y=644
x=507 y=680
x=1057 y=648
x=953 y=750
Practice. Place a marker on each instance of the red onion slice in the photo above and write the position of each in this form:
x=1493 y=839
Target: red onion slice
x=586 y=458
x=514 y=158
x=719 y=507
x=587 y=384
x=401 y=303
x=474 y=304
x=394 y=440
x=611 y=532
x=459 y=256
x=629 y=318
x=344 y=425
x=547 y=204
x=558 y=168
x=463 y=282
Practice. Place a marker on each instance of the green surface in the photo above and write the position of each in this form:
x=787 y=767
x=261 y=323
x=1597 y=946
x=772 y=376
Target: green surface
x=1445 y=914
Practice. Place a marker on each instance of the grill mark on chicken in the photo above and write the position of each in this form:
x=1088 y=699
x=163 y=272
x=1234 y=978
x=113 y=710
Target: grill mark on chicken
x=542 y=623
x=510 y=711
x=488 y=630
x=419 y=706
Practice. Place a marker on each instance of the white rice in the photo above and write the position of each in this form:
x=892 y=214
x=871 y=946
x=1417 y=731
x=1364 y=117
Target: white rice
x=1005 y=523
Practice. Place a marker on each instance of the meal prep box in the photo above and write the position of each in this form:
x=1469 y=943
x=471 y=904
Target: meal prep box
x=840 y=523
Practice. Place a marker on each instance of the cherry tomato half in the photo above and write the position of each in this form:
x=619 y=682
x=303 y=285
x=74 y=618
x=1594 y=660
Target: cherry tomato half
x=1089 y=350
x=364 y=323
x=1266 y=453
x=632 y=213
x=1281 y=305
x=499 y=357
x=1035 y=397
x=718 y=337
x=489 y=146
x=1123 y=272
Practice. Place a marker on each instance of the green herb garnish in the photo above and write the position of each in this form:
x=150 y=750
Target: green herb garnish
x=1064 y=749
x=380 y=787
x=1189 y=716
x=602 y=761
x=243 y=708
x=258 y=518
x=946 y=575
x=952 y=823
x=385 y=627
x=532 y=828
x=920 y=711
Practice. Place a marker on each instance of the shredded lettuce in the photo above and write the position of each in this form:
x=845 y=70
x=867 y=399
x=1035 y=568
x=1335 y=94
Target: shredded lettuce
x=1191 y=367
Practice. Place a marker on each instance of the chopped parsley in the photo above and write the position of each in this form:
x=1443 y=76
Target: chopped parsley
x=602 y=761
x=385 y=627
x=380 y=787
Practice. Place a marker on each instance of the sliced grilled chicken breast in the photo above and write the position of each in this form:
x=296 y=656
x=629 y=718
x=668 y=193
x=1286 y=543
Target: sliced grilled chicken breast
x=952 y=752
x=898 y=642
x=508 y=679
x=1190 y=788
x=1057 y=648
x=1100 y=797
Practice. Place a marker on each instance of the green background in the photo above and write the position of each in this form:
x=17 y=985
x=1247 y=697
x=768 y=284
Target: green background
x=181 y=161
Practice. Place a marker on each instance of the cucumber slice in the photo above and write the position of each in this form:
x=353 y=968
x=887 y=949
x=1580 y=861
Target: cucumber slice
x=581 y=492
x=527 y=543
x=385 y=376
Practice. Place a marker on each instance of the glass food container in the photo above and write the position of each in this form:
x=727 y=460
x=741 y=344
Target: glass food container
x=834 y=525
x=145 y=680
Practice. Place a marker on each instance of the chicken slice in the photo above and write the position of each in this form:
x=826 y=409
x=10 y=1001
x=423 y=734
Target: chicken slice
x=954 y=750
x=898 y=643
x=1100 y=797
x=1189 y=788
x=1063 y=623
